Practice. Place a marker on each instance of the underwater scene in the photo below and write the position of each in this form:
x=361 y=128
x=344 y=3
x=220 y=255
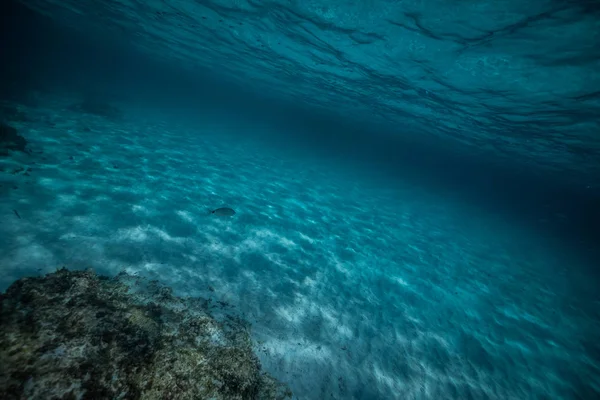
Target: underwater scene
x=240 y=199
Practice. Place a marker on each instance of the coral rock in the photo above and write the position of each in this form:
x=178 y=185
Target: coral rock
x=75 y=335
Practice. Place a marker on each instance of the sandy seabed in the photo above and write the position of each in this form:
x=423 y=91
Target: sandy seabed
x=354 y=291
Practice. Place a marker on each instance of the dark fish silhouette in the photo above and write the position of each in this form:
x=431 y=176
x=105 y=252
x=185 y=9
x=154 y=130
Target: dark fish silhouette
x=17 y=214
x=223 y=212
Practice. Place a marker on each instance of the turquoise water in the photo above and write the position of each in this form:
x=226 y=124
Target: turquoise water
x=355 y=289
x=415 y=184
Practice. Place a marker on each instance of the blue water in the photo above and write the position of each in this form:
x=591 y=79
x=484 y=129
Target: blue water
x=371 y=267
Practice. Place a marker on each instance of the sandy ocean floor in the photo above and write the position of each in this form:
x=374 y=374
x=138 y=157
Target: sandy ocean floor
x=354 y=290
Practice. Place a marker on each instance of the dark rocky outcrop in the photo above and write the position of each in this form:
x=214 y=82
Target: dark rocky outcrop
x=10 y=139
x=78 y=335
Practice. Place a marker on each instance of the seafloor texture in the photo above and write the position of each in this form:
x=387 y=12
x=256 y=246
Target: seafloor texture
x=354 y=291
x=72 y=335
x=516 y=78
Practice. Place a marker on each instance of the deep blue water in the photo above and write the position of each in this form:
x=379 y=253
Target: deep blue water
x=416 y=186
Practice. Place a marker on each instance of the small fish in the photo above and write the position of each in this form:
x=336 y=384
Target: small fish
x=17 y=214
x=223 y=212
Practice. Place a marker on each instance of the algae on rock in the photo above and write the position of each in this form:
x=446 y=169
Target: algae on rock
x=73 y=334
